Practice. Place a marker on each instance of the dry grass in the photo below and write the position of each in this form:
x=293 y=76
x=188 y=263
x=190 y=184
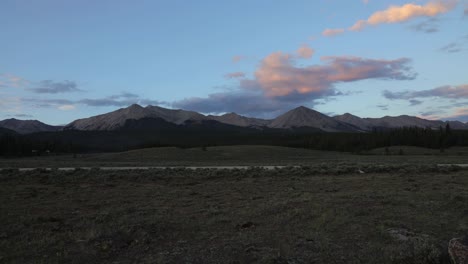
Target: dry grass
x=294 y=215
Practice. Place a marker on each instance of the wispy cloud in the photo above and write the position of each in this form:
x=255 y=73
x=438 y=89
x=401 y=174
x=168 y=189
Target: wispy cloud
x=8 y=80
x=234 y=75
x=452 y=47
x=23 y=116
x=428 y=26
x=398 y=14
x=383 y=107
x=449 y=92
x=238 y=58
x=305 y=52
x=459 y=114
x=455 y=46
x=414 y=102
x=52 y=87
x=67 y=107
x=118 y=100
x=330 y=32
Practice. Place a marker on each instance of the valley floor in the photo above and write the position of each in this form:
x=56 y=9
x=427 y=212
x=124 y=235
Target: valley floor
x=316 y=214
x=241 y=156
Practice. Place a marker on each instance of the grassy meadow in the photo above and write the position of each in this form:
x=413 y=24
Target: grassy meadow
x=315 y=214
x=383 y=206
x=243 y=156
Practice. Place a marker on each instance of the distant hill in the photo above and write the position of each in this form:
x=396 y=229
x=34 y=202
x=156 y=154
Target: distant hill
x=388 y=122
x=305 y=117
x=27 y=126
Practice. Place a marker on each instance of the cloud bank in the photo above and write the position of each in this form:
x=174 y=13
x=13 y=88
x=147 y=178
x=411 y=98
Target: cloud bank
x=279 y=84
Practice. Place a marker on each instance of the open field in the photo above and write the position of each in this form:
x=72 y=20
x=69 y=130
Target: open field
x=241 y=156
x=393 y=214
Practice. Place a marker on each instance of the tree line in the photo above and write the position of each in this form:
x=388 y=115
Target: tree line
x=81 y=142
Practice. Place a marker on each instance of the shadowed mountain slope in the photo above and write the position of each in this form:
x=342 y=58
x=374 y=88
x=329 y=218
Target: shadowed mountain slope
x=27 y=126
x=305 y=117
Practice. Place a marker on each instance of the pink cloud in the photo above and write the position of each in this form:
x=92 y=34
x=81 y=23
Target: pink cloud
x=332 y=32
x=460 y=114
x=280 y=84
x=397 y=14
x=237 y=58
x=278 y=76
x=305 y=52
x=10 y=80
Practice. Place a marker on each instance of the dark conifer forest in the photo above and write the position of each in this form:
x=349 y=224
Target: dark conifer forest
x=14 y=145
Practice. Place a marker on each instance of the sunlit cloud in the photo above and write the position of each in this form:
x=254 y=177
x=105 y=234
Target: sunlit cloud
x=330 y=32
x=305 y=52
x=398 y=14
x=278 y=76
x=66 y=107
x=238 y=58
x=8 y=80
x=459 y=114
x=279 y=84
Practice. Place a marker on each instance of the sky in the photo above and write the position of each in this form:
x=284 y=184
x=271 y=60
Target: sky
x=61 y=60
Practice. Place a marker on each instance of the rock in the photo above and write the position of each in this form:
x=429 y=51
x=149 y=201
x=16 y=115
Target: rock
x=458 y=250
x=413 y=248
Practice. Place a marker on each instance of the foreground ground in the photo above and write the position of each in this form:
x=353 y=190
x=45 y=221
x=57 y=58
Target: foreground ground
x=317 y=214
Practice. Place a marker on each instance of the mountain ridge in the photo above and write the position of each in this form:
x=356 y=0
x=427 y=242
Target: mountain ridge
x=27 y=126
x=299 y=117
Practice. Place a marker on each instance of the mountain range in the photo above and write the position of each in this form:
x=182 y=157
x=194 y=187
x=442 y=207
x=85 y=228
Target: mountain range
x=138 y=117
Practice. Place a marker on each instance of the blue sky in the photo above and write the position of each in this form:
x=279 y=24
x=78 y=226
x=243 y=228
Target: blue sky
x=62 y=59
